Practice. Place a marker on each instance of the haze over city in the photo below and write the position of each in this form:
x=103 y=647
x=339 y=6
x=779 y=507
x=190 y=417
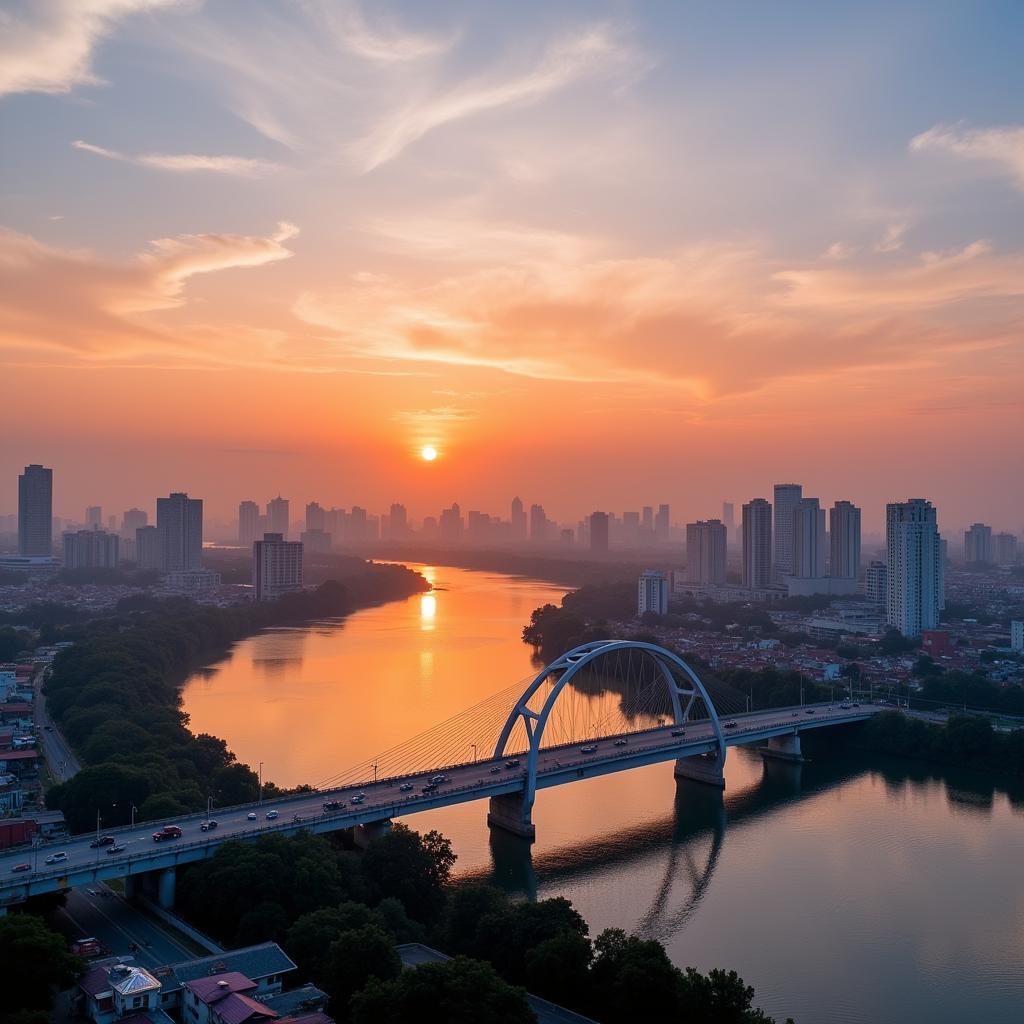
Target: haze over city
x=601 y=246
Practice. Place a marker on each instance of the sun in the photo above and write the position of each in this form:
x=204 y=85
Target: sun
x=428 y=454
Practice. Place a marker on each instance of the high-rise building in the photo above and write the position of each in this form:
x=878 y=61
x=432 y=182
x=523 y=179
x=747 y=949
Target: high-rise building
x=132 y=520
x=1017 y=636
x=277 y=516
x=91 y=549
x=647 y=520
x=599 y=532
x=35 y=511
x=652 y=593
x=317 y=542
x=729 y=515
x=316 y=517
x=1005 y=548
x=149 y=548
x=538 y=524
x=808 y=540
x=787 y=497
x=914 y=562
x=450 y=524
x=978 y=545
x=276 y=566
x=518 y=519
x=357 y=525
x=876 y=576
x=248 y=523
x=661 y=524
x=398 y=522
x=706 y=545
x=757 y=544
x=179 y=519
x=94 y=517
x=844 y=538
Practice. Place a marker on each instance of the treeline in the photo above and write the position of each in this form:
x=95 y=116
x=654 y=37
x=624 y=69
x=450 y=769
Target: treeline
x=115 y=695
x=965 y=689
x=339 y=914
x=967 y=741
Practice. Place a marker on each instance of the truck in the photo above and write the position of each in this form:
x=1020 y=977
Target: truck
x=88 y=947
x=167 y=832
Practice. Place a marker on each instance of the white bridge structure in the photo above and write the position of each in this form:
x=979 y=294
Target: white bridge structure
x=604 y=707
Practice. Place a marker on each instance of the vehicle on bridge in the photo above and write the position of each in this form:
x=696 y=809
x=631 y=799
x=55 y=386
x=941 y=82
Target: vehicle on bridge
x=56 y=858
x=167 y=832
x=335 y=805
x=102 y=841
x=206 y=826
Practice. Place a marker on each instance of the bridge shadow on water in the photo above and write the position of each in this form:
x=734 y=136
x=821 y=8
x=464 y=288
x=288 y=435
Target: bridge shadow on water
x=689 y=839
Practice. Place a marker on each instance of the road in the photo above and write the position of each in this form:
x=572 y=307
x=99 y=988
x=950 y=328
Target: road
x=81 y=863
x=101 y=913
x=59 y=757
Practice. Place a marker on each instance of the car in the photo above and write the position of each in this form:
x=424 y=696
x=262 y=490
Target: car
x=495 y=770
x=730 y=725
x=56 y=858
x=48 y=728
x=438 y=779
x=678 y=732
x=22 y=867
x=405 y=787
x=251 y=816
x=589 y=748
x=116 y=848
x=102 y=841
x=795 y=714
x=428 y=788
x=333 y=805
x=845 y=707
x=620 y=743
x=855 y=704
x=512 y=762
x=206 y=826
x=359 y=799
x=270 y=815
x=809 y=711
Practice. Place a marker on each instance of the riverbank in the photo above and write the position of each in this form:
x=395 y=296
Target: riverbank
x=115 y=695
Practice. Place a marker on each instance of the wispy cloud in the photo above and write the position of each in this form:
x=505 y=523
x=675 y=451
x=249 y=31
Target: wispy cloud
x=593 y=51
x=238 y=166
x=382 y=41
x=1001 y=146
x=892 y=239
x=48 y=46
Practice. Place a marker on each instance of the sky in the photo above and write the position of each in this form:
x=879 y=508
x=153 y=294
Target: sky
x=597 y=254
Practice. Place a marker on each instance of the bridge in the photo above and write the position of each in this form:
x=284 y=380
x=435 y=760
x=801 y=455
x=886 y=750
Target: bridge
x=603 y=707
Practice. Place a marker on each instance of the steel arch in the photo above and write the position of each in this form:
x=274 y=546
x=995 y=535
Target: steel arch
x=568 y=665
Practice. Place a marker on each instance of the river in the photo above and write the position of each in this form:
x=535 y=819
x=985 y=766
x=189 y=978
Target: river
x=849 y=889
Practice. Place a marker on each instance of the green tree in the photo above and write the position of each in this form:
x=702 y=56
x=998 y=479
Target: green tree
x=414 y=868
x=559 y=968
x=632 y=979
x=352 y=959
x=34 y=962
x=459 y=991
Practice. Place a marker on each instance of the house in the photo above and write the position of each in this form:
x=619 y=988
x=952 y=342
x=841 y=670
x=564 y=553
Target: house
x=116 y=992
x=265 y=965
x=223 y=999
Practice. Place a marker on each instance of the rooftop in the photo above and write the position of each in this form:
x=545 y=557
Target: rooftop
x=253 y=961
x=217 y=986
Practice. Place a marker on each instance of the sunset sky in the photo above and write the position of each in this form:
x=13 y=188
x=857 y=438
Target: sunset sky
x=599 y=254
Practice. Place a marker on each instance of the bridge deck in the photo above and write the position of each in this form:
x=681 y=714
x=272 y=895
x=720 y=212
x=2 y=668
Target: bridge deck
x=384 y=799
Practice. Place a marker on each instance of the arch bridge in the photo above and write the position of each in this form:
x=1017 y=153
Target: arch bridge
x=603 y=707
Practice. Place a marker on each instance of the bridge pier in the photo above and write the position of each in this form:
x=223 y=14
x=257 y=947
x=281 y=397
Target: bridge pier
x=702 y=768
x=511 y=812
x=165 y=888
x=363 y=835
x=784 y=748
x=131 y=886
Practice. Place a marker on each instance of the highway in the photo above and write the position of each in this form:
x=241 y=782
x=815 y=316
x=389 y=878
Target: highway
x=75 y=862
x=59 y=756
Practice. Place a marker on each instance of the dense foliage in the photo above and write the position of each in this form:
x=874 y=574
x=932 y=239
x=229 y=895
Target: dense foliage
x=115 y=695
x=965 y=740
x=34 y=963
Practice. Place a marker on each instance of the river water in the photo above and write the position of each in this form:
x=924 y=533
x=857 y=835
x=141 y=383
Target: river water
x=849 y=889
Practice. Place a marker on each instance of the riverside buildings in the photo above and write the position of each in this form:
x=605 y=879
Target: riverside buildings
x=599 y=532
x=35 y=512
x=179 y=522
x=844 y=541
x=276 y=566
x=757 y=544
x=706 y=552
x=978 y=545
x=915 y=566
x=652 y=593
x=787 y=497
x=91 y=549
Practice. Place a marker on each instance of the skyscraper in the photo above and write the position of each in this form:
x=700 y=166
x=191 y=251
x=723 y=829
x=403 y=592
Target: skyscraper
x=705 y=551
x=808 y=539
x=786 y=498
x=647 y=520
x=652 y=593
x=91 y=549
x=876 y=577
x=599 y=532
x=757 y=544
x=94 y=517
x=316 y=517
x=1005 y=548
x=276 y=566
x=131 y=521
x=35 y=511
x=914 y=563
x=844 y=538
x=179 y=520
x=277 y=516
x=248 y=523
x=149 y=550
x=518 y=519
x=661 y=525
x=398 y=522
x=538 y=524
x=978 y=544
x=450 y=524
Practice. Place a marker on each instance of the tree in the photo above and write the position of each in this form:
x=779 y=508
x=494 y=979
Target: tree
x=352 y=959
x=559 y=968
x=633 y=979
x=34 y=962
x=413 y=868
x=459 y=991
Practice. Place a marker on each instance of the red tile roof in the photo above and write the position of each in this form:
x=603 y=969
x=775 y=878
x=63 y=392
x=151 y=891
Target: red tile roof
x=237 y=1008
x=216 y=987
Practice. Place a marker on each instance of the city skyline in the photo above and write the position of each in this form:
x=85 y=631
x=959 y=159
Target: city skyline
x=474 y=216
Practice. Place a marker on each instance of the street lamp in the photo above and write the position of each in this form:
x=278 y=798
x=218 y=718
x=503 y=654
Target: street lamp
x=135 y=811
x=473 y=745
x=260 y=800
x=374 y=772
